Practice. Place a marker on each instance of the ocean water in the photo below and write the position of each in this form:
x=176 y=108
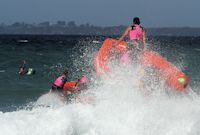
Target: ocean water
x=118 y=106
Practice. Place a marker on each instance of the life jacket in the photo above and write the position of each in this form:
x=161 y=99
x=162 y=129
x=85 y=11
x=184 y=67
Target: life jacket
x=126 y=59
x=59 y=81
x=136 y=33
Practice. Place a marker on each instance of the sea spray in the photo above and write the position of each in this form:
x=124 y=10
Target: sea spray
x=121 y=105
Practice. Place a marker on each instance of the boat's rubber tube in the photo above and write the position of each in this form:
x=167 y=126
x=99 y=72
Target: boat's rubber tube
x=102 y=57
x=175 y=78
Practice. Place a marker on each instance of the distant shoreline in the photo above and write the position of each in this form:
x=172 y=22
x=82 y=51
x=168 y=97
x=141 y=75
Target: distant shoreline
x=70 y=28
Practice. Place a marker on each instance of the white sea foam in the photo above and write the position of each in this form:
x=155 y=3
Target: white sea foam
x=120 y=107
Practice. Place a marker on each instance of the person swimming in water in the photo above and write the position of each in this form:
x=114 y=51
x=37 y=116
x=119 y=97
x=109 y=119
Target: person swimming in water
x=67 y=90
x=24 y=71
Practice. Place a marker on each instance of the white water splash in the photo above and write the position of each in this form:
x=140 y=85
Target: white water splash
x=120 y=107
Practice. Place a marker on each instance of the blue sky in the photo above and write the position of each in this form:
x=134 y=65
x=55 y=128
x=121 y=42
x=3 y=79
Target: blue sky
x=153 y=13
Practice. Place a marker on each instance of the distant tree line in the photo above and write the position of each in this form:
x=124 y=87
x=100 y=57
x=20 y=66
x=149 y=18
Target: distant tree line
x=71 y=28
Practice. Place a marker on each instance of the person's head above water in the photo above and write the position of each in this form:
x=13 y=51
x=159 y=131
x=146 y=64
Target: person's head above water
x=136 y=20
x=21 y=67
x=65 y=72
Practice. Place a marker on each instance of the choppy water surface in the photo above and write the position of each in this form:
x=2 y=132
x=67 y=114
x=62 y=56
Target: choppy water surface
x=119 y=105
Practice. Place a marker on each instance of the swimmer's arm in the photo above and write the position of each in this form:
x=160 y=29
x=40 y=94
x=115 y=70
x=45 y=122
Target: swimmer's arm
x=22 y=70
x=24 y=64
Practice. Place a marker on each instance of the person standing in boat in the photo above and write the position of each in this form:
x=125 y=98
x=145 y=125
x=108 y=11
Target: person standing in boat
x=137 y=35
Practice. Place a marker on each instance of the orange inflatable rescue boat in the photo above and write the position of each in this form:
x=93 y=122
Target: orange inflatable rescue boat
x=75 y=85
x=174 y=77
x=69 y=86
x=102 y=58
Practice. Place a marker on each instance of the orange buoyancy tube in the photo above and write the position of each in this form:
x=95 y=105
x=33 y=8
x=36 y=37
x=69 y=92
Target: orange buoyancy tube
x=69 y=86
x=102 y=58
x=174 y=77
